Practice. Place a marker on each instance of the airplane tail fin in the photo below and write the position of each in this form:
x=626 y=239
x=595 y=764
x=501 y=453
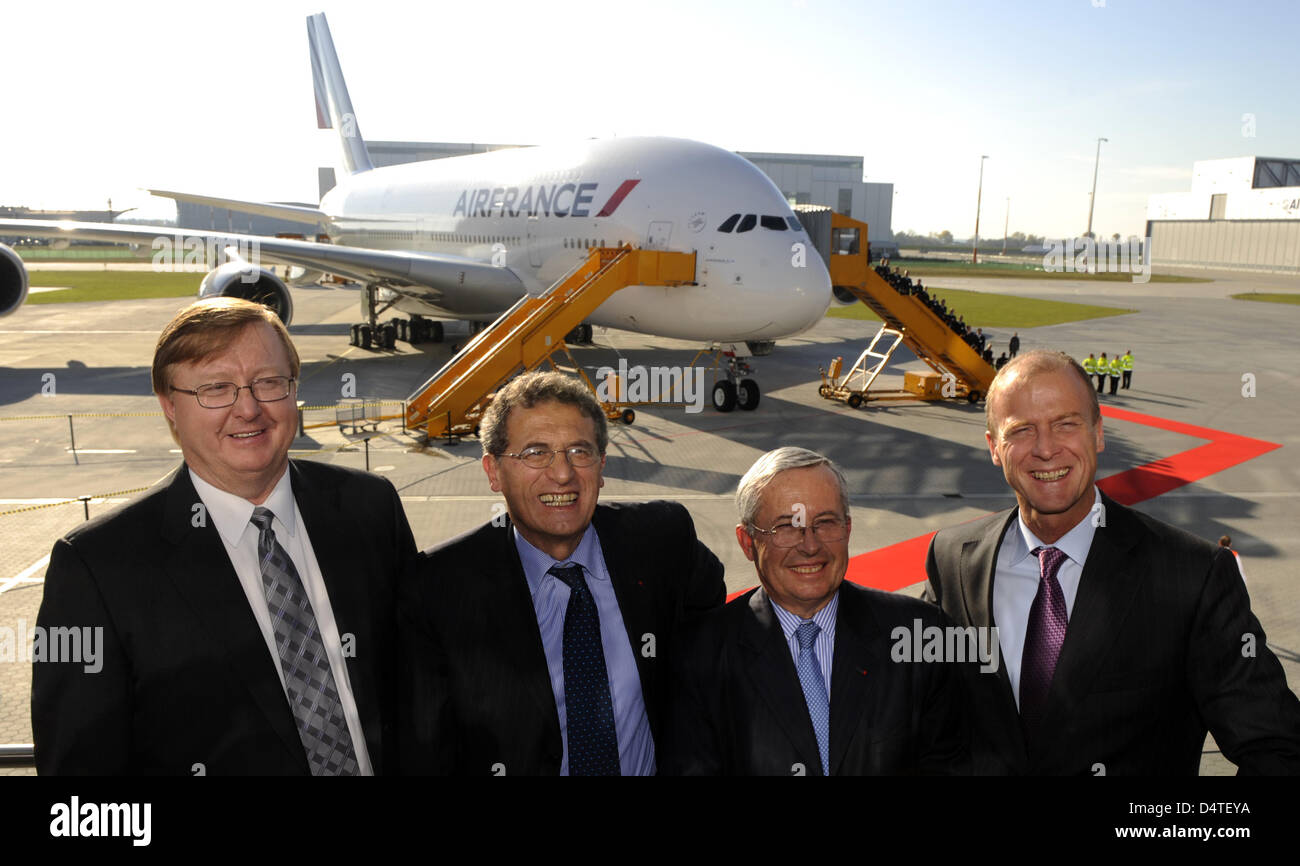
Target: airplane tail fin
x=333 y=106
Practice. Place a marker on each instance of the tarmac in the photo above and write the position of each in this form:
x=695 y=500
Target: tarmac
x=912 y=468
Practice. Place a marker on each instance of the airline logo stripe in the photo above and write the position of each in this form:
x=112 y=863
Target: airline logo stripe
x=617 y=198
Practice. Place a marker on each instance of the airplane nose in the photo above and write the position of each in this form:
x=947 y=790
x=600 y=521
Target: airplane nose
x=801 y=291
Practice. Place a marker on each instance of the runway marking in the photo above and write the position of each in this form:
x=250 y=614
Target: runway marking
x=25 y=576
x=903 y=564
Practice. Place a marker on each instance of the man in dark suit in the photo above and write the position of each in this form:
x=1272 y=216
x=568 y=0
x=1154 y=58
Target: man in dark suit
x=804 y=675
x=1124 y=639
x=541 y=642
x=241 y=614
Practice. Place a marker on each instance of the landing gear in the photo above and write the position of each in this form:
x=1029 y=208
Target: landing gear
x=724 y=395
x=732 y=386
x=370 y=334
x=747 y=394
x=581 y=335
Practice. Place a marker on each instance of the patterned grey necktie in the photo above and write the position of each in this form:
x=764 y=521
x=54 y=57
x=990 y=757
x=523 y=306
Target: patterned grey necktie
x=308 y=679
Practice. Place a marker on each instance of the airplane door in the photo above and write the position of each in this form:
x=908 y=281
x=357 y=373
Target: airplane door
x=660 y=234
x=534 y=250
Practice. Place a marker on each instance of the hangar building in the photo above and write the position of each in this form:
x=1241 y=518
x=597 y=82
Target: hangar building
x=1241 y=214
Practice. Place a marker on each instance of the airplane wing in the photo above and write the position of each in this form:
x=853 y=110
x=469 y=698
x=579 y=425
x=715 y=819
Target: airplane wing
x=291 y=212
x=434 y=274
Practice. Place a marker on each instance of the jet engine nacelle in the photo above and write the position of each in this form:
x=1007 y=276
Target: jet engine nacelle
x=238 y=279
x=843 y=296
x=13 y=281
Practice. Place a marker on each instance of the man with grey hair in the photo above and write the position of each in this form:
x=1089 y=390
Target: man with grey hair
x=1124 y=638
x=800 y=676
x=541 y=642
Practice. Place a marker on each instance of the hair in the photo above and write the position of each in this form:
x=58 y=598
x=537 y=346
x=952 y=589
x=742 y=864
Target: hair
x=1038 y=361
x=205 y=328
x=1225 y=541
x=531 y=389
x=750 y=490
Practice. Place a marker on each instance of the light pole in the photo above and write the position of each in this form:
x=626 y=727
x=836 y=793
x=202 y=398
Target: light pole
x=1006 y=223
x=1092 y=199
x=975 y=245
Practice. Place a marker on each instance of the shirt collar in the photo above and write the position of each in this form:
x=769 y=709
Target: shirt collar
x=790 y=622
x=233 y=514
x=537 y=564
x=1075 y=544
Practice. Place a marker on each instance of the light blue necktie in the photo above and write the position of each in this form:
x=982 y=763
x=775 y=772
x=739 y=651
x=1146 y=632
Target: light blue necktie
x=814 y=690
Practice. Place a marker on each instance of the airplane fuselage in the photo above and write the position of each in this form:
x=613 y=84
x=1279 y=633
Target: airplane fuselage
x=539 y=210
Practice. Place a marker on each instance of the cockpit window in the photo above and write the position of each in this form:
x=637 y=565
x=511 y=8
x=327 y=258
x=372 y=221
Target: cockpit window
x=795 y=225
x=729 y=223
x=775 y=223
x=747 y=223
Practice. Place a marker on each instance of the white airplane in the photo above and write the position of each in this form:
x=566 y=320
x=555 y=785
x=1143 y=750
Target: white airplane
x=464 y=237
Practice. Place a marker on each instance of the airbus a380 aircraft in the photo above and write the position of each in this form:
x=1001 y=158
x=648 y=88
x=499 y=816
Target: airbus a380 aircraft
x=464 y=237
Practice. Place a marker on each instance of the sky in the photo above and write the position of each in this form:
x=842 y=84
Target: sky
x=104 y=100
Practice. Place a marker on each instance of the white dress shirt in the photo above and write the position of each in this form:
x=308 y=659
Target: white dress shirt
x=232 y=515
x=1016 y=579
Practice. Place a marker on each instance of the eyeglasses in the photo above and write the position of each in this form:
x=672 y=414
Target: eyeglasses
x=825 y=530
x=579 y=456
x=219 y=395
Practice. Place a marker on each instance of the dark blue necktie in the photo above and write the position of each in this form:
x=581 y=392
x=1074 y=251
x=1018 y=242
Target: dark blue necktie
x=589 y=710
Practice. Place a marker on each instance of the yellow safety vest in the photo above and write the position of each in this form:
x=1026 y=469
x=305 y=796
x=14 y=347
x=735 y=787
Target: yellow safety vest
x=1115 y=367
x=1090 y=365
x=1127 y=361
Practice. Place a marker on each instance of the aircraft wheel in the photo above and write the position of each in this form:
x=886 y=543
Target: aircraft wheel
x=574 y=337
x=387 y=336
x=855 y=400
x=353 y=339
x=724 y=396
x=403 y=327
x=588 y=334
x=433 y=331
x=747 y=395
x=363 y=336
x=627 y=416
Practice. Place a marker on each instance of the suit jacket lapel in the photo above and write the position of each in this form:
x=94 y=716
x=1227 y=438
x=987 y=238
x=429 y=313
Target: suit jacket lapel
x=633 y=603
x=342 y=571
x=853 y=673
x=771 y=670
x=979 y=560
x=200 y=568
x=516 y=619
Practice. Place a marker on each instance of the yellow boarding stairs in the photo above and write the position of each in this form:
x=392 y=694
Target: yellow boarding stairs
x=532 y=331
x=959 y=371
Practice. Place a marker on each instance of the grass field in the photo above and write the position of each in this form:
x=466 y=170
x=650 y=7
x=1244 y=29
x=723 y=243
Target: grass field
x=984 y=310
x=1270 y=297
x=110 y=285
x=1015 y=270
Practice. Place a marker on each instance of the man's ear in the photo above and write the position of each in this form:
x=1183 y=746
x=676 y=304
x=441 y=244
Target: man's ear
x=993 y=448
x=746 y=541
x=490 y=467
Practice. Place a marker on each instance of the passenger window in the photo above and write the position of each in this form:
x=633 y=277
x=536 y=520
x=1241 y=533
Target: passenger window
x=747 y=224
x=729 y=223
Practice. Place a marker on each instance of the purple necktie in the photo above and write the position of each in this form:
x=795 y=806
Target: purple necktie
x=1043 y=638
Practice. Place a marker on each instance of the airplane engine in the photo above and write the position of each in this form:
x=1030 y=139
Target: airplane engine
x=237 y=279
x=13 y=281
x=843 y=296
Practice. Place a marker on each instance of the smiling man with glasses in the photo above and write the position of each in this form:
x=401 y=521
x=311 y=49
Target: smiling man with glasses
x=541 y=642
x=798 y=677
x=244 y=605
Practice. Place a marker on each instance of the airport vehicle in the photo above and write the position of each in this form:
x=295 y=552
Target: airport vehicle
x=467 y=237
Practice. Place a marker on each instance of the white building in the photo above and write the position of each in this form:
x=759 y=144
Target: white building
x=1241 y=213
